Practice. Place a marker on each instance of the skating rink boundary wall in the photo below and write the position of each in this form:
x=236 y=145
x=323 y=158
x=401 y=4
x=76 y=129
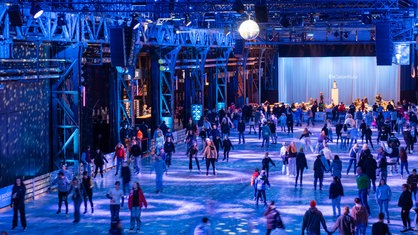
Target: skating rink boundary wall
x=41 y=185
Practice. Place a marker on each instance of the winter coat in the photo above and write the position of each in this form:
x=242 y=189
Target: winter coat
x=253 y=177
x=301 y=161
x=20 y=191
x=99 y=159
x=142 y=201
x=362 y=181
x=159 y=166
x=266 y=131
x=335 y=190
x=169 y=147
x=412 y=181
x=87 y=184
x=85 y=157
x=383 y=192
x=210 y=152
x=405 y=200
x=353 y=153
x=370 y=166
x=266 y=163
x=227 y=145
x=318 y=168
x=79 y=192
x=345 y=225
x=271 y=218
x=337 y=167
x=192 y=151
x=312 y=221
x=261 y=181
x=135 y=150
x=62 y=183
x=359 y=213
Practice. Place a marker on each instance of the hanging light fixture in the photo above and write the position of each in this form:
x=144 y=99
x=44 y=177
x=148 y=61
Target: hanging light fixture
x=249 y=29
x=135 y=23
x=187 y=20
x=36 y=10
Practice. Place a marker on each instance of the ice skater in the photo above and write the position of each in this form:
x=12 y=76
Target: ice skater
x=227 y=146
x=116 y=201
x=63 y=187
x=78 y=194
x=99 y=161
x=262 y=182
x=18 y=203
x=192 y=153
x=160 y=167
x=88 y=188
x=135 y=203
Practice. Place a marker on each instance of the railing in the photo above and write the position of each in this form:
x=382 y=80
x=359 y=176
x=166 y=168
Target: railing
x=41 y=185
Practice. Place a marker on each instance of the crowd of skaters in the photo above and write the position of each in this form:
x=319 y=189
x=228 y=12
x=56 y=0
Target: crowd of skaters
x=214 y=130
x=365 y=165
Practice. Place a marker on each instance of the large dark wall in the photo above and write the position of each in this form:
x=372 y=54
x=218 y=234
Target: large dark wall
x=24 y=130
x=25 y=115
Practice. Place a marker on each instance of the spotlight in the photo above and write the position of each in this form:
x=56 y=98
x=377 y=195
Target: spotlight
x=36 y=10
x=187 y=21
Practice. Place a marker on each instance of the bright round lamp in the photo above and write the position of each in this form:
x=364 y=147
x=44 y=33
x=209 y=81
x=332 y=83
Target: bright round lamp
x=249 y=30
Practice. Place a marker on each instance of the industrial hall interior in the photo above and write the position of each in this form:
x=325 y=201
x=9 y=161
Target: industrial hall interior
x=201 y=117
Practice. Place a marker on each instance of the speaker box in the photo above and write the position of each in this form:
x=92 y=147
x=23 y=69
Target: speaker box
x=15 y=16
x=117 y=47
x=384 y=45
x=261 y=14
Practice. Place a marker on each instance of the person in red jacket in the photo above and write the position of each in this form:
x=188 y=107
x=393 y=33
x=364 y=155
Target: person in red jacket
x=119 y=155
x=135 y=203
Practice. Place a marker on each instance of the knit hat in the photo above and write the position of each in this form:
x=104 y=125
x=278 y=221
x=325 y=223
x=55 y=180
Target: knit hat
x=312 y=203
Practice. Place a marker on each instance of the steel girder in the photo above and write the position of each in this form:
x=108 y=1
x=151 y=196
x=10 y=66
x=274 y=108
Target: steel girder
x=221 y=76
x=65 y=113
x=92 y=26
x=166 y=91
x=196 y=58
